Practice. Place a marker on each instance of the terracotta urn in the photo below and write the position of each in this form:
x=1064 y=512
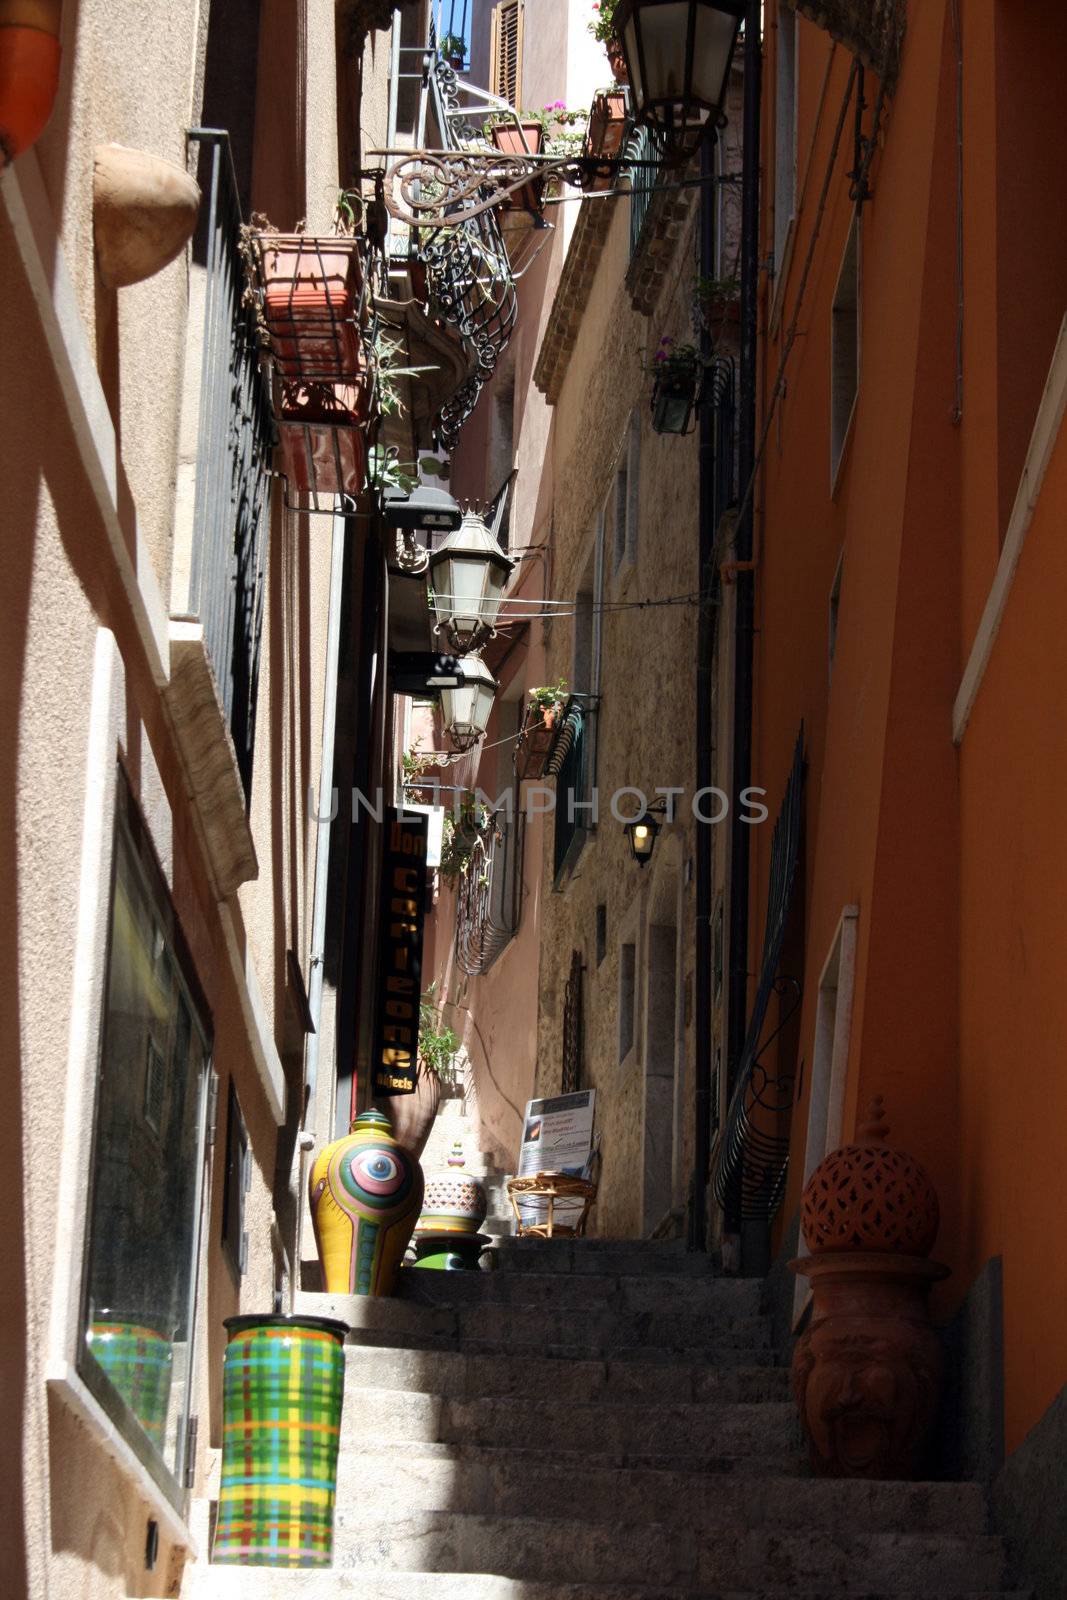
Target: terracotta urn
x=144 y=213
x=29 y=71
x=365 y=1192
x=867 y=1371
x=414 y=1114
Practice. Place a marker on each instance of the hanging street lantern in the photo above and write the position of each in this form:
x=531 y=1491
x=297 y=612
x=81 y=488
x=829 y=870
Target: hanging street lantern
x=425 y=510
x=468 y=573
x=641 y=834
x=678 y=55
x=465 y=711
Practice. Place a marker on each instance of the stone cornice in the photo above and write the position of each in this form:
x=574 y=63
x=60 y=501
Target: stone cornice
x=572 y=296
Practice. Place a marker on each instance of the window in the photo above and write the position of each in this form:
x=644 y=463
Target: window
x=844 y=350
x=576 y=810
x=623 y=507
x=147 y=1165
x=601 y=932
x=627 y=998
x=238 y=1183
x=505 y=52
x=785 y=131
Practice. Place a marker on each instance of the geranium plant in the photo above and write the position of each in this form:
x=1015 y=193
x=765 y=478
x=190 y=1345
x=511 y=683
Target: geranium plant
x=602 y=22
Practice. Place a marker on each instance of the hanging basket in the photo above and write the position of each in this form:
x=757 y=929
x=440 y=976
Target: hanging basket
x=321 y=434
x=674 y=399
x=604 y=136
x=537 y=740
x=510 y=141
x=311 y=292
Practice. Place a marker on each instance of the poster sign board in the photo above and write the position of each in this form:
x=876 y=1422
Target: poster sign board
x=557 y=1134
x=403 y=904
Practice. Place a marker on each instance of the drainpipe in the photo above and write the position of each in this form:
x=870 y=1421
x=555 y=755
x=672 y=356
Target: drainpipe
x=704 y=854
x=744 y=609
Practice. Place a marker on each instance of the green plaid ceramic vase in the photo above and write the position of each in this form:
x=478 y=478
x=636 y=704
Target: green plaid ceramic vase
x=139 y=1361
x=282 y=1389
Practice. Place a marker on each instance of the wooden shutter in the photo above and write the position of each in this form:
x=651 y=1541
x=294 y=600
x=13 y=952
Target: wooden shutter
x=505 y=65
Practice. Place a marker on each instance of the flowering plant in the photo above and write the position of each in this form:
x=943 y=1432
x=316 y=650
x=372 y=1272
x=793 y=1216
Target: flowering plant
x=675 y=363
x=602 y=22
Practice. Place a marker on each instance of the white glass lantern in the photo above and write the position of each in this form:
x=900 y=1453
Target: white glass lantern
x=468 y=573
x=465 y=711
x=678 y=53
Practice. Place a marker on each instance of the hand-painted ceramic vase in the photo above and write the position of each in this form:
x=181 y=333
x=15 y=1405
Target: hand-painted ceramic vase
x=366 y=1192
x=282 y=1391
x=138 y=1360
x=454 y=1203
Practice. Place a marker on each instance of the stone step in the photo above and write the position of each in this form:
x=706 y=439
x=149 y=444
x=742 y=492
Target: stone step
x=543 y=1484
x=705 y=1462
x=618 y=1257
x=462 y=1376
x=539 y=1329
x=391 y=1416
x=706 y=1297
x=265 y=1583
x=679 y=1552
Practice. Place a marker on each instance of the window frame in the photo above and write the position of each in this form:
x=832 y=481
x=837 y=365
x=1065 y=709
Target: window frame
x=172 y=1480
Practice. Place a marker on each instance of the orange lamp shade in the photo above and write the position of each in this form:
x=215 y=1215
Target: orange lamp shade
x=29 y=72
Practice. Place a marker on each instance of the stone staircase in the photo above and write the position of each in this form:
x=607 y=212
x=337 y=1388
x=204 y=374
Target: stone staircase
x=600 y=1421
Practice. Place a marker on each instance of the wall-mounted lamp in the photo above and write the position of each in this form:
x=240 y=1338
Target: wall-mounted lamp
x=678 y=55
x=468 y=573
x=642 y=832
x=465 y=711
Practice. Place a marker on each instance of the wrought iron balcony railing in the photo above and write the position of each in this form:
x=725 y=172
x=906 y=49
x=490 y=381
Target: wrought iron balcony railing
x=233 y=463
x=490 y=893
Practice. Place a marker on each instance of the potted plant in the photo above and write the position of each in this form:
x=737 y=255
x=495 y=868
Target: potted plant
x=540 y=729
x=521 y=135
x=678 y=381
x=452 y=47
x=602 y=27
x=718 y=302
x=414 y=1114
x=605 y=133
x=309 y=290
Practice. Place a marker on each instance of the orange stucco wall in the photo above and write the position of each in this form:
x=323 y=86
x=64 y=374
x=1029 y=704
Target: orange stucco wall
x=953 y=856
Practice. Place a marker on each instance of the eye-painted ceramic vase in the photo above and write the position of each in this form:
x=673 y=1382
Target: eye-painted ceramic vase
x=366 y=1194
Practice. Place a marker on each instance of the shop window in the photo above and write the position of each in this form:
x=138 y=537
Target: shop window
x=505 y=52
x=149 y=1141
x=238 y=1183
x=844 y=350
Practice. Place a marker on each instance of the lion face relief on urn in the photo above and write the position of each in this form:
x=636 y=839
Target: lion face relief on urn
x=867 y=1371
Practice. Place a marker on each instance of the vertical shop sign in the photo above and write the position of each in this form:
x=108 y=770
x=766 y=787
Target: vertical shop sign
x=396 y=1013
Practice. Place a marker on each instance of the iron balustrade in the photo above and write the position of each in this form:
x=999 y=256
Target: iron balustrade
x=235 y=443
x=644 y=147
x=569 y=765
x=753 y=1152
x=490 y=898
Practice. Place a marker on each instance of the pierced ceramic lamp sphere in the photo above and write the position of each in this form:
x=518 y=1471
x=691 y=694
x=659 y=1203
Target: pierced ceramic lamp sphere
x=868 y=1196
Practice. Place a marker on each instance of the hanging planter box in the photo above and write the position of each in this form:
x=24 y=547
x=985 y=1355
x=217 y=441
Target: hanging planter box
x=673 y=402
x=323 y=447
x=510 y=141
x=537 y=740
x=311 y=295
x=604 y=135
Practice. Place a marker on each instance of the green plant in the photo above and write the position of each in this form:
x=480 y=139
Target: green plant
x=386 y=471
x=460 y=835
x=451 y=45
x=675 y=362
x=548 y=695
x=438 y=1044
x=602 y=23
x=707 y=290
x=389 y=371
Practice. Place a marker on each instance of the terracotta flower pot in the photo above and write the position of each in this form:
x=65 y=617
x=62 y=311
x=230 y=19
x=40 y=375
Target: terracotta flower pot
x=323 y=449
x=29 y=72
x=413 y=1114
x=867 y=1372
x=604 y=135
x=510 y=142
x=311 y=294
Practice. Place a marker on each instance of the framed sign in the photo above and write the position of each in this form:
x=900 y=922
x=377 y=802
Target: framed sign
x=403 y=902
x=557 y=1134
